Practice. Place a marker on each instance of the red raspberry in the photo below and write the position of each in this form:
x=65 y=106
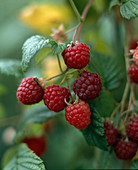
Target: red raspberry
x=132 y=129
x=78 y=115
x=77 y=56
x=111 y=133
x=37 y=144
x=29 y=92
x=135 y=55
x=54 y=96
x=125 y=150
x=133 y=73
x=88 y=86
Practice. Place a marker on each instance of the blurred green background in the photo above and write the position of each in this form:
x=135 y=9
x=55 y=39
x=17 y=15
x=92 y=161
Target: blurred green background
x=103 y=29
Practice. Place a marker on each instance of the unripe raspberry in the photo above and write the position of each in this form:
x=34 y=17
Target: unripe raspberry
x=111 y=133
x=88 y=86
x=29 y=92
x=125 y=150
x=133 y=73
x=37 y=144
x=77 y=56
x=135 y=55
x=54 y=97
x=132 y=129
x=78 y=115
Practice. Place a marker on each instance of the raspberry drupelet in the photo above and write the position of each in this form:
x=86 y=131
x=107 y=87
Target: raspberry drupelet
x=29 y=91
x=78 y=114
x=76 y=56
x=88 y=86
x=54 y=97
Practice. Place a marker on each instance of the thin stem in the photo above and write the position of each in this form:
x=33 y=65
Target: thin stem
x=129 y=104
x=124 y=96
x=43 y=82
x=75 y=10
x=83 y=17
x=86 y=9
x=72 y=100
x=122 y=114
x=114 y=112
x=59 y=63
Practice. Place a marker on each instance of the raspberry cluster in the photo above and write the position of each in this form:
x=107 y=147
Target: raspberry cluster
x=124 y=148
x=86 y=87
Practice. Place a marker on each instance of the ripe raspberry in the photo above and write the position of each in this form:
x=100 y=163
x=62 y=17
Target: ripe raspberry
x=29 y=92
x=133 y=73
x=111 y=133
x=125 y=150
x=77 y=56
x=54 y=96
x=37 y=144
x=78 y=115
x=88 y=86
x=132 y=129
x=135 y=55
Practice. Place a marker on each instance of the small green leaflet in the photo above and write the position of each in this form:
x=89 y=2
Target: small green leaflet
x=134 y=164
x=33 y=45
x=129 y=9
x=113 y=3
x=94 y=133
x=25 y=159
x=10 y=67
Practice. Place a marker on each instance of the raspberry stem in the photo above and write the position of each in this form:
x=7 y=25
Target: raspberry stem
x=114 y=112
x=59 y=63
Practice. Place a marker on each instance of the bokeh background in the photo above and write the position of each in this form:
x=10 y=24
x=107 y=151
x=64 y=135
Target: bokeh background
x=105 y=32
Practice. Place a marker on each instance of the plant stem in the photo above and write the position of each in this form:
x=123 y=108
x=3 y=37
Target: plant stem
x=83 y=17
x=59 y=63
x=114 y=112
x=72 y=100
x=75 y=10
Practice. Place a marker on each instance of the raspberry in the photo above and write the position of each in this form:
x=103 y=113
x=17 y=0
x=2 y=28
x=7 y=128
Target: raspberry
x=133 y=73
x=54 y=96
x=111 y=133
x=78 y=115
x=77 y=56
x=135 y=55
x=29 y=92
x=88 y=86
x=132 y=129
x=37 y=144
x=125 y=150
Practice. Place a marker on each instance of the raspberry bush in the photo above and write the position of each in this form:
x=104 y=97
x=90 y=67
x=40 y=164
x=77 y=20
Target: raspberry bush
x=92 y=93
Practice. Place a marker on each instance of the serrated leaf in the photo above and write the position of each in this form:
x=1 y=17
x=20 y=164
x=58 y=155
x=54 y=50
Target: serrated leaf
x=25 y=159
x=10 y=67
x=104 y=104
x=108 y=70
x=94 y=133
x=134 y=164
x=36 y=43
x=129 y=9
x=114 y=3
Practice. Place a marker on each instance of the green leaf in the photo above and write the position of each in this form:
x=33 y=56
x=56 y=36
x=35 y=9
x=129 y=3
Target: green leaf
x=104 y=104
x=114 y=3
x=10 y=67
x=36 y=43
x=37 y=114
x=129 y=9
x=94 y=133
x=134 y=165
x=25 y=159
x=107 y=68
